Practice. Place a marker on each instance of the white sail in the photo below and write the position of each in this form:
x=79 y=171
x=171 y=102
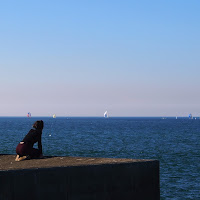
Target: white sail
x=106 y=114
x=54 y=115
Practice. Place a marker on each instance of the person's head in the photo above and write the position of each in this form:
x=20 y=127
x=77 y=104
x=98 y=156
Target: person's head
x=38 y=125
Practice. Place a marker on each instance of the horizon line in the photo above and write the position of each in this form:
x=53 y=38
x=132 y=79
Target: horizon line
x=98 y=116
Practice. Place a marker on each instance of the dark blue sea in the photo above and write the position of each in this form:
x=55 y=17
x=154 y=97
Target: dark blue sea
x=174 y=142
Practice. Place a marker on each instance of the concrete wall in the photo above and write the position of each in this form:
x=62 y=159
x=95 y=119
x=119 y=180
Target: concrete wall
x=123 y=181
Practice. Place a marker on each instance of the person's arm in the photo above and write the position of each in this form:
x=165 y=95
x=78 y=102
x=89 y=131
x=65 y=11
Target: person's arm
x=40 y=145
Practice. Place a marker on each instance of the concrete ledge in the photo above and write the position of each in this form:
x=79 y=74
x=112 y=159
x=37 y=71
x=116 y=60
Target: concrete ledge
x=83 y=179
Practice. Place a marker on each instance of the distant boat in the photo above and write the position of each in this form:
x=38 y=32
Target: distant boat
x=176 y=117
x=29 y=114
x=54 y=115
x=106 y=114
x=190 y=116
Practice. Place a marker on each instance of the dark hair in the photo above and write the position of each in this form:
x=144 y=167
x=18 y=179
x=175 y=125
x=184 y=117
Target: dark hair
x=38 y=124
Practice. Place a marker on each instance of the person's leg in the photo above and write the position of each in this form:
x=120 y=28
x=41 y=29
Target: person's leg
x=34 y=153
x=19 y=149
x=22 y=151
x=17 y=157
x=20 y=158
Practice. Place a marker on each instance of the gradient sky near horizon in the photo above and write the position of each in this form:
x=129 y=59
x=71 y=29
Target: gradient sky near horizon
x=83 y=57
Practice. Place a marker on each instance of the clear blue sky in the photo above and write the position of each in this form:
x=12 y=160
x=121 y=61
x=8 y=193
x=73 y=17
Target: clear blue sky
x=80 y=58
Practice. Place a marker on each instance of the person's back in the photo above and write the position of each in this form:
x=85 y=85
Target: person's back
x=33 y=136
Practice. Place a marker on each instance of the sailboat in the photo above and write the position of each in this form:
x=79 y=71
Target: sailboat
x=190 y=116
x=106 y=114
x=54 y=115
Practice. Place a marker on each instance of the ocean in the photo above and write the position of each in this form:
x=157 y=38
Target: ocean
x=174 y=142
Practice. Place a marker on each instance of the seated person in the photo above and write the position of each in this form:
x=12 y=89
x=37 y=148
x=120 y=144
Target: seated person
x=25 y=148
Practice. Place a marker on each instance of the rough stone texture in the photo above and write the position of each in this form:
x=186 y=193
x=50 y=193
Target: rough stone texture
x=7 y=162
x=73 y=178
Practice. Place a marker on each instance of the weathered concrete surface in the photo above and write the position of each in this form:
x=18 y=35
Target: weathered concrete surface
x=7 y=162
x=73 y=178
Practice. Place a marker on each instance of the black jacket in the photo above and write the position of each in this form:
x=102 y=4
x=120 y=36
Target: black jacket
x=33 y=136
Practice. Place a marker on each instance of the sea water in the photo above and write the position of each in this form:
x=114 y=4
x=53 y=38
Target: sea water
x=174 y=142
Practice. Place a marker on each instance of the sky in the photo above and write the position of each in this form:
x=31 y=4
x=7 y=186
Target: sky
x=83 y=57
